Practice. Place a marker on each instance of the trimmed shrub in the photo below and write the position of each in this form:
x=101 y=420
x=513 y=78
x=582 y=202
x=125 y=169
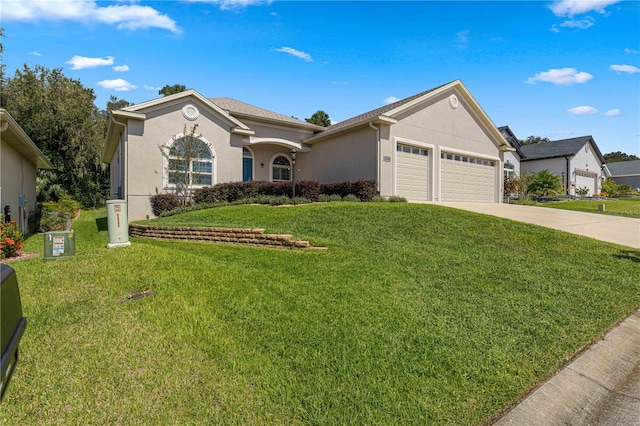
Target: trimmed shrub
x=161 y=203
x=351 y=197
x=324 y=198
x=396 y=199
x=364 y=189
x=57 y=216
x=378 y=199
x=335 y=197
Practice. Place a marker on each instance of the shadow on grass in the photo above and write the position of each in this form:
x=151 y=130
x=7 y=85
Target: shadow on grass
x=632 y=255
x=101 y=223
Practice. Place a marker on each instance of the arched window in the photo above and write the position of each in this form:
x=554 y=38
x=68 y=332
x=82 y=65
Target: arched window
x=281 y=169
x=247 y=165
x=190 y=162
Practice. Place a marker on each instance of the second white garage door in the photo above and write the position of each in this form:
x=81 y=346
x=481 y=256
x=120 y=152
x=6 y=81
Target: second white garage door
x=467 y=178
x=586 y=180
x=412 y=172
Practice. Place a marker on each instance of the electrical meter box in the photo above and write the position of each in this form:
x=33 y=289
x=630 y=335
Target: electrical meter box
x=59 y=244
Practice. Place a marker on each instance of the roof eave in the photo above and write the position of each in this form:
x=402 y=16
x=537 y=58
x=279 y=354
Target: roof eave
x=28 y=148
x=381 y=119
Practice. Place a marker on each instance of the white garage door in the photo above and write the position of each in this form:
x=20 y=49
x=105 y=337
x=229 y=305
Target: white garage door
x=466 y=178
x=412 y=172
x=586 y=180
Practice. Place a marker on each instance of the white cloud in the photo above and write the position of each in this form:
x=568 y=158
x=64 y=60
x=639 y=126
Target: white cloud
x=613 y=112
x=630 y=69
x=297 y=53
x=121 y=68
x=631 y=51
x=124 y=16
x=580 y=7
x=580 y=24
x=561 y=76
x=146 y=87
x=35 y=53
x=583 y=110
x=390 y=100
x=82 y=62
x=463 y=36
x=119 y=85
x=233 y=4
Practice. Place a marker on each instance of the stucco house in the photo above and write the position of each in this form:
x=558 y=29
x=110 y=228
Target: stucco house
x=512 y=158
x=20 y=160
x=577 y=160
x=625 y=173
x=438 y=145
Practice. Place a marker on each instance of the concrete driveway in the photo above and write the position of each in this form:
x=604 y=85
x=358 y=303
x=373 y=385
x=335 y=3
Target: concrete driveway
x=613 y=229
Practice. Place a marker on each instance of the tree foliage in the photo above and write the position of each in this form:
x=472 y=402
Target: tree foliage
x=615 y=157
x=59 y=115
x=545 y=183
x=319 y=118
x=533 y=140
x=172 y=90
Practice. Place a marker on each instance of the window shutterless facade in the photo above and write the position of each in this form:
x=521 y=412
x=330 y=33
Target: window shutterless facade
x=281 y=169
x=190 y=163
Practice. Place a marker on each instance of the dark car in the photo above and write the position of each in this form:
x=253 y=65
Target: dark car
x=12 y=326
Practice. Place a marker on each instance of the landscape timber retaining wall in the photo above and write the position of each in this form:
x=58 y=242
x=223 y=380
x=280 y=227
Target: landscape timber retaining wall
x=244 y=236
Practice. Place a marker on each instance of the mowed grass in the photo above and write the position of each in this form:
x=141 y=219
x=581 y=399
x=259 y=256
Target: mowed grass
x=629 y=207
x=416 y=314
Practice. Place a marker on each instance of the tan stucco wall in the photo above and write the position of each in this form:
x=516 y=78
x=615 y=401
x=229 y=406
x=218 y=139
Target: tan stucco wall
x=345 y=157
x=17 y=176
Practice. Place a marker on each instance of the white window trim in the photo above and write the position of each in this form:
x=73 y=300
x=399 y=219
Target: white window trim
x=165 y=162
x=276 y=155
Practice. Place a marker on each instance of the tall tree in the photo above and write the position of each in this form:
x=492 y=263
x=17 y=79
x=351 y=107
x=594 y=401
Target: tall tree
x=171 y=90
x=615 y=157
x=533 y=140
x=319 y=118
x=59 y=115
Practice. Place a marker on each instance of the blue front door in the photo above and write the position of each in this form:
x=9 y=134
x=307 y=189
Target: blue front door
x=247 y=169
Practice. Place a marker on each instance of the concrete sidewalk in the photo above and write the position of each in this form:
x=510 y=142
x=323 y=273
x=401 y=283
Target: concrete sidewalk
x=613 y=229
x=601 y=387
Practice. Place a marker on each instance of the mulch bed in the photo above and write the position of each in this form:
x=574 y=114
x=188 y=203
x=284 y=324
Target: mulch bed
x=19 y=256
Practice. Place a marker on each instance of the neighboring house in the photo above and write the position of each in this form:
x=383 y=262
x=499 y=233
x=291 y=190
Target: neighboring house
x=511 y=159
x=438 y=145
x=577 y=160
x=20 y=160
x=625 y=173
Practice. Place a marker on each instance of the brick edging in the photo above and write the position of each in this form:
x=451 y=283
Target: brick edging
x=243 y=236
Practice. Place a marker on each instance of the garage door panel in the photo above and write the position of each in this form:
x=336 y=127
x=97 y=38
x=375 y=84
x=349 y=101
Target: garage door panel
x=584 y=179
x=412 y=173
x=471 y=180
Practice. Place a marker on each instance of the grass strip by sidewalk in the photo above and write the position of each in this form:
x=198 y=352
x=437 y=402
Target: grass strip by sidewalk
x=416 y=314
x=628 y=207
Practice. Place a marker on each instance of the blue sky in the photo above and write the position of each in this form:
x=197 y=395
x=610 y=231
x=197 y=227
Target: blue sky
x=557 y=69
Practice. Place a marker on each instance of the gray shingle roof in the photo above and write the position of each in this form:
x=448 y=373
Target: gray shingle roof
x=624 y=168
x=508 y=134
x=368 y=116
x=560 y=148
x=235 y=107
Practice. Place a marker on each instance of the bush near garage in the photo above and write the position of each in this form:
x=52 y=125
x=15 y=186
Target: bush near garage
x=10 y=239
x=161 y=203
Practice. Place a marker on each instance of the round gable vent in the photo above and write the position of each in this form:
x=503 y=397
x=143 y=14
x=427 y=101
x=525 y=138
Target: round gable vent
x=190 y=112
x=453 y=101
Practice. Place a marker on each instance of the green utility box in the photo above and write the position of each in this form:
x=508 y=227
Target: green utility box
x=59 y=244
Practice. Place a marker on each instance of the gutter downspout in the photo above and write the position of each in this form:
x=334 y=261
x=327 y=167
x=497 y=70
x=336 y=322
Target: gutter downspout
x=377 y=156
x=566 y=184
x=124 y=148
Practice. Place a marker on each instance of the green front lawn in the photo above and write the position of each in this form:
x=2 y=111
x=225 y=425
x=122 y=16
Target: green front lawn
x=629 y=207
x=416 y=314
